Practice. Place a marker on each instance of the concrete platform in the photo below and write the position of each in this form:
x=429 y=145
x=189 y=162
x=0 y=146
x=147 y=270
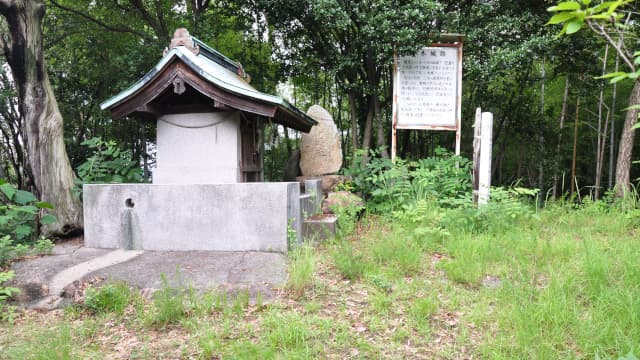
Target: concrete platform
x=49 y=282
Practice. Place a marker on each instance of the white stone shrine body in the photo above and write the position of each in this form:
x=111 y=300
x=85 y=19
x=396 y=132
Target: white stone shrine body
x=198 y=149
x=207 y=191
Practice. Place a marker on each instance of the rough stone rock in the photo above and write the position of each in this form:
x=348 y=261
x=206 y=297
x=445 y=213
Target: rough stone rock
x=320 y=149
x=341 y=199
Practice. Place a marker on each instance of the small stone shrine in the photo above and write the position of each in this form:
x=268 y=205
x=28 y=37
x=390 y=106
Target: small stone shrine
x=209 y=147
x=209 y=119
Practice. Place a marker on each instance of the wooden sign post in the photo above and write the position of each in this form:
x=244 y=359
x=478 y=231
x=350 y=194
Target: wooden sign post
x=427 y=89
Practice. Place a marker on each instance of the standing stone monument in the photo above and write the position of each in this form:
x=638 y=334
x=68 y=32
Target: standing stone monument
x=320 y=149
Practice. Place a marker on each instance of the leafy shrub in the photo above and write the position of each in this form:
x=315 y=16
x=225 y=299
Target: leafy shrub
x=347 y=215
x=361 y=167
x=508 y=207
x=107 y=164
x=443 y=179
x=43 y=246
x=421 y=222
x=6 y=250
x=10 y=251
x=112 y=297
x=19 y=212
x=6 y=311
x=6 y=291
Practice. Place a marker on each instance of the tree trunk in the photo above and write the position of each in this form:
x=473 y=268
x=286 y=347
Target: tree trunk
x=52 y=173
x=354 y=120
x=563 y=114
x=612 y=139
x=368 y=127
x=623 y=166
x=381 y=139
x=602 y=135
x=541 y=154
x=575 y=148
x=373 y=80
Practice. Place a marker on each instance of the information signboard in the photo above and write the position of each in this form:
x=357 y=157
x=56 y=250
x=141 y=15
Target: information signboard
x=427 y=89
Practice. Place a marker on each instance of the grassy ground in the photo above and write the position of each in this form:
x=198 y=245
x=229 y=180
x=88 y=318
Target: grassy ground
x=426 y=282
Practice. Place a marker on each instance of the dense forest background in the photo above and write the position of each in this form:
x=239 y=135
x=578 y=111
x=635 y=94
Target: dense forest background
x=549 y=108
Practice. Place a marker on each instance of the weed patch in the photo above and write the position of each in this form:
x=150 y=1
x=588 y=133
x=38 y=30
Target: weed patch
x=301 y=269
x=112 y=297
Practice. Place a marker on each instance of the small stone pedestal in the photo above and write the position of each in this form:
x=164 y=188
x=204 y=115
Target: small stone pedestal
x=320 y=228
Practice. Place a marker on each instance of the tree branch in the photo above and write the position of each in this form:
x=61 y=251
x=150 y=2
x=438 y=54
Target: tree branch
x=616 y=45
x=157 y=27
x=122 y=29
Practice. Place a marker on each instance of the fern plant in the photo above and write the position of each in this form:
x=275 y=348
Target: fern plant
x=443 y=179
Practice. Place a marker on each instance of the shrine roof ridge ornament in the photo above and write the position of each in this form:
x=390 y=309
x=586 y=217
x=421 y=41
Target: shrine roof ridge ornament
x=226 y=83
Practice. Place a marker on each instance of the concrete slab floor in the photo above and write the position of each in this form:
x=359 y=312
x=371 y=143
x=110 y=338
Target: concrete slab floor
x=48 y=282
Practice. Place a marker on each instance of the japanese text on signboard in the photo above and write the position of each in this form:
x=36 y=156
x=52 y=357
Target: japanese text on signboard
x=427 y=88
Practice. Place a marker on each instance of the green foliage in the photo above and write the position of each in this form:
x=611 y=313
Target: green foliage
x=43 y=246
x=399 y=253
x=360 y=168
x=112 y=297
x=347 y=215
x=168 y=304
x=107 y=164
x=7 y=250
x=443 y=179
x=574 y=14
x=6 y=291
x=48 y=343
x=19 y=212
x=421 y=311
x=292 y=235
x=6 y=311
x=10 y=251
x=19 y=223
x=302 y=264
x=352 y=265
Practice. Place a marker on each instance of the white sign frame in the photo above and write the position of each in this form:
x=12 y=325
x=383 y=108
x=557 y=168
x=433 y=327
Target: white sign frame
x=439 y=88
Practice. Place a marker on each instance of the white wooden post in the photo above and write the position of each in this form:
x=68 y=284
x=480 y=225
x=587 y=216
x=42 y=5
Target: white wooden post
x=486 y=144
x=476 y=154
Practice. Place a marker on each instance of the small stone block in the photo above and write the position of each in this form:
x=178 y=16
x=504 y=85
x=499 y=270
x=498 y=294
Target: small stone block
x=307 y=205
x=320 y=229
x=313 y=187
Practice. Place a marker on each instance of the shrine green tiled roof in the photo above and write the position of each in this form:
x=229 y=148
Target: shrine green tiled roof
x=218 y=70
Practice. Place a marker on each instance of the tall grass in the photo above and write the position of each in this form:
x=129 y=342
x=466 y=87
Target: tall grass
x=507 y=281
x=569 y=283
x=301 y=269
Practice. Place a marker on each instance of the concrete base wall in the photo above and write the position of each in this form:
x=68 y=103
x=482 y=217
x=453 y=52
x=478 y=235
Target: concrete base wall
x=221 y=217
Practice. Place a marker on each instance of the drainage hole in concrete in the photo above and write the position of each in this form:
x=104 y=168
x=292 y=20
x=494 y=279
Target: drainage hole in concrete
x=129 y=203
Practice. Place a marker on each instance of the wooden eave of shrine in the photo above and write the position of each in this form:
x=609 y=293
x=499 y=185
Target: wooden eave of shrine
x=188 y=81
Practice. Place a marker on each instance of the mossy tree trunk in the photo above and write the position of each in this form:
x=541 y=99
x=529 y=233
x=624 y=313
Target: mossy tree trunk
x=48 y=161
